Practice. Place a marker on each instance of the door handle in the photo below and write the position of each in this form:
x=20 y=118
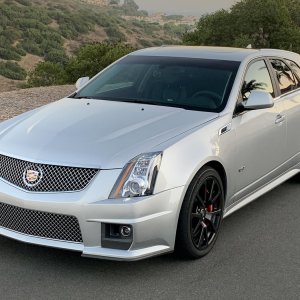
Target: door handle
x=279 y=119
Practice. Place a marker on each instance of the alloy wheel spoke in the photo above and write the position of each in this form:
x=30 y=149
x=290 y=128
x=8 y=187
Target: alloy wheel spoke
x=198 y=226
x=205 y=233
x=212 y=225
x=200 y=200
x=211 y=190
x=215 y=197
x=200 y=238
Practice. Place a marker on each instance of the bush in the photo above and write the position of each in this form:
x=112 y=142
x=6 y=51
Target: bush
x=12 y=70
x=9 y=54
x=56 y=56
x=89 y=61
x=47 y=73
x=24 y=2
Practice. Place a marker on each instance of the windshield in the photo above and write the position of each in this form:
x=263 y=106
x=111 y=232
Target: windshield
x=196 y=84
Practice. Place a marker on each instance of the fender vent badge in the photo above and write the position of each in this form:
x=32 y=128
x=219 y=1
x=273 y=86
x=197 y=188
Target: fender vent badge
x=225 y=129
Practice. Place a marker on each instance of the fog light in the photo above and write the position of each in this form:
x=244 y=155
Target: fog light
x=116 y=236
x=125 y=231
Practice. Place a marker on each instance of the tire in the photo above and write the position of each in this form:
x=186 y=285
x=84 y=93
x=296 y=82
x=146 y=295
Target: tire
x=201 y=215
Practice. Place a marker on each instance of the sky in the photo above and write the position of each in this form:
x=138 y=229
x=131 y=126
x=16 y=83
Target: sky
x=189 y=7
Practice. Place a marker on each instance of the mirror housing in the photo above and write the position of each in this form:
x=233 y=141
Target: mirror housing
x=81 y=82
x=258 y=100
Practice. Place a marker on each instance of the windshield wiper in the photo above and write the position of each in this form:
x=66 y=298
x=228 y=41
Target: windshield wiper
x=84 y=97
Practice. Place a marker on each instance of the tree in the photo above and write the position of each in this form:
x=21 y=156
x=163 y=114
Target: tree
x=262 y=23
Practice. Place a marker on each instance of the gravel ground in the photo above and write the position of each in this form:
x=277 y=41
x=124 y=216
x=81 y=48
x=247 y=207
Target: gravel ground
x=16 y=102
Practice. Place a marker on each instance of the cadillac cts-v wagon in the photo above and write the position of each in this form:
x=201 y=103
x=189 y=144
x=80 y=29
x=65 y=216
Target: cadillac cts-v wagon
x=152 y=153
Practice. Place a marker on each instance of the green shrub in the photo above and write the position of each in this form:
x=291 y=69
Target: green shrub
x=47 y=73
x=24 y=2
x=12 y=70
x=56 y=56
x=89 y=60
x=9 y=54
x=114 y=34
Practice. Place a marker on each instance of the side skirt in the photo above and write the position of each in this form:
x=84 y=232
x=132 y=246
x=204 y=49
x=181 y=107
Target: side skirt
x=259 y=192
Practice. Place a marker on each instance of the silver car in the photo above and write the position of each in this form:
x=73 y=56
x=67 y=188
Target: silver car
x=151 y=154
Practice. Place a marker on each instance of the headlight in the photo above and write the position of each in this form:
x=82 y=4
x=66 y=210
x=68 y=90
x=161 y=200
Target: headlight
x=138 y=176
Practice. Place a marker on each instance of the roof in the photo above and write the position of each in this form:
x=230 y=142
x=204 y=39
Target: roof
x=219 y=53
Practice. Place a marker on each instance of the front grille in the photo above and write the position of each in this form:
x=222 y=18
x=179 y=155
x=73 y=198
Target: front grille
x=40 y=224
x=51 y=178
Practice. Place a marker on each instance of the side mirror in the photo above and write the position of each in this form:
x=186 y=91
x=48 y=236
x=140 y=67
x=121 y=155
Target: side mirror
x=81 y=82
x=258 y=100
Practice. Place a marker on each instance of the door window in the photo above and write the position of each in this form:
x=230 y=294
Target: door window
x=257 y=78
x=284 y=75
x=295 y=68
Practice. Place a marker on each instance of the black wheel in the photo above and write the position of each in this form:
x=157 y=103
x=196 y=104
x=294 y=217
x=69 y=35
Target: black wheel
x=201 y=215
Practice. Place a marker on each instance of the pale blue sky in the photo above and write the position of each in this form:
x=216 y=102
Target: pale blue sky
x=193 y=7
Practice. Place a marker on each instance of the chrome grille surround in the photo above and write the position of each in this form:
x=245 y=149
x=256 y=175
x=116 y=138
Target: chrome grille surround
x=54 y=178
x=40 y=224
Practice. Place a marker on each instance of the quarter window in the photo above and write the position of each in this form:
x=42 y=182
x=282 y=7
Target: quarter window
x=257 y=78
x=284 y=75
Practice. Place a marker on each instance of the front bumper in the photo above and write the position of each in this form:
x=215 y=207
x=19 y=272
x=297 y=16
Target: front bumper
x=153 y=218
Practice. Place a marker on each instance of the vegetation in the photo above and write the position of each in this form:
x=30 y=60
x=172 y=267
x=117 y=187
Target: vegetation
x=45 y=28
x=12 y=70
x=89 y=60
x=261 y=23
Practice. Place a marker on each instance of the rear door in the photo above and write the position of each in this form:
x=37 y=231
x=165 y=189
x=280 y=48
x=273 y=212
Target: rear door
x=288 y=77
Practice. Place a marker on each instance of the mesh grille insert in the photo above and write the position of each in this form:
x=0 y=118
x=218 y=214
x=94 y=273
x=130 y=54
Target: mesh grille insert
x=40 y=224
x=49 y=178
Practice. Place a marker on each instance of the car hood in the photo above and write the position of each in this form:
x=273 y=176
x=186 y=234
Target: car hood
x=94 y=133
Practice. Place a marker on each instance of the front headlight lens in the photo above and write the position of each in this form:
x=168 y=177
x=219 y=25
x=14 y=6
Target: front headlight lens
x=138 y=176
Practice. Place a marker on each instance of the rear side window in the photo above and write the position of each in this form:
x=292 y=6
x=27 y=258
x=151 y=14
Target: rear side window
x=295 y=68
x=257 y=78
x=284 y=75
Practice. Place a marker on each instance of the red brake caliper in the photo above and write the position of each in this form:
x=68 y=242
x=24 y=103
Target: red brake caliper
x=210 y=208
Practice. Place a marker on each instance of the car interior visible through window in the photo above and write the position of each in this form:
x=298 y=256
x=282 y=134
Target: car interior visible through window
x=284 y=76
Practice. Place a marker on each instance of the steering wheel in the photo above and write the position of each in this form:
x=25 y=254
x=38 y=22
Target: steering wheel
x=217 y=99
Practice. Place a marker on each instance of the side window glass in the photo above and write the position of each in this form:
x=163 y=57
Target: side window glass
x=257 y=78
x=295 y=68
x=284 y=75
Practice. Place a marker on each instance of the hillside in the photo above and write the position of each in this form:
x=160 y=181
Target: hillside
x=35 y=30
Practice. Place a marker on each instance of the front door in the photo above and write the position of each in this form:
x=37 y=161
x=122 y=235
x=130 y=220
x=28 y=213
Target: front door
x=260 y=134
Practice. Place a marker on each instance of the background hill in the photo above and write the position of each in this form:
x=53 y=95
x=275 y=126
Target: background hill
x=32 y=31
